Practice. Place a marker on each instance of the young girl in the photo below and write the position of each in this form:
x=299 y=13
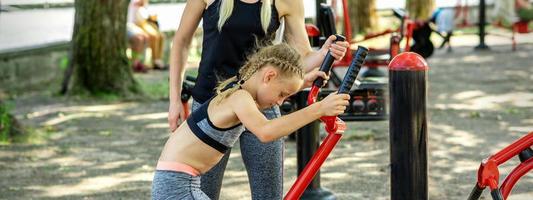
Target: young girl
x=267 y=78
x=231 y=27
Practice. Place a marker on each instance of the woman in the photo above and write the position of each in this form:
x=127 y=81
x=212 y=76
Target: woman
x=231 y=29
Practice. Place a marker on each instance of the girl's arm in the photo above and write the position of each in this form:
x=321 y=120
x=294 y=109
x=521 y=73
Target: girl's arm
x=269 y=130
x=178 y=58
x=296 y=36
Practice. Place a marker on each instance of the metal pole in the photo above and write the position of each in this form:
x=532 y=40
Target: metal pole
x=481 y=27
x=317 y=11
x=408 y=127
x=307 y=142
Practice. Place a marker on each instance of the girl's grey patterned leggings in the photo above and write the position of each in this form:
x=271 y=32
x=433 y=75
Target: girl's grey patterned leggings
x=171 y=185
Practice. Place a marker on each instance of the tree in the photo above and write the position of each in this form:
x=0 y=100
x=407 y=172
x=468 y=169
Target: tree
x=98 y=54
x=363 y=15
x=420 y=9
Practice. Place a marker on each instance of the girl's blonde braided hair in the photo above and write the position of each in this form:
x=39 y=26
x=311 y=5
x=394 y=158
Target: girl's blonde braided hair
x=285 y=58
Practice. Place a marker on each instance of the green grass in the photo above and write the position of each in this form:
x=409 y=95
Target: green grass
x=157 y=88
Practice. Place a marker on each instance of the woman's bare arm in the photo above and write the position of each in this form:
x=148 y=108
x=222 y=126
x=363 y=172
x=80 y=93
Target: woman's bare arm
x=178 y=57
x=296 y=36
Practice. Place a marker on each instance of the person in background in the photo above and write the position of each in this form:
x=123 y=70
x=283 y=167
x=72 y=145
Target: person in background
x=444 y=19
x=507 y=12
x=524 y=10
x=142 y=31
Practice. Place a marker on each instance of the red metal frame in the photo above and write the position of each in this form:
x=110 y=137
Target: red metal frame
x=335 y=127
x=514 y=176
x=488 y=174
x=186 y=109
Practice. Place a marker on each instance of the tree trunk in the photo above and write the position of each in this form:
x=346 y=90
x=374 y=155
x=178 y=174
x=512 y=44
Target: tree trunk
x=420 y=9
x=99 y=48
x=363 y=16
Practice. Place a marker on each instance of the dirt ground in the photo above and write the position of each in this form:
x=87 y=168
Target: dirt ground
x=478 y=103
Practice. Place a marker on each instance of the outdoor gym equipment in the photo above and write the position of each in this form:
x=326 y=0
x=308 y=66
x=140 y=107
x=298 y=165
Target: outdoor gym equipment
x=518 y=27
x=186 y=93
x=367 y=102
x=333 y=125
x=488 y=174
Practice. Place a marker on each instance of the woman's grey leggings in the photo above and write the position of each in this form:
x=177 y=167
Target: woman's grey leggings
x=263 y=162
x=173 y=185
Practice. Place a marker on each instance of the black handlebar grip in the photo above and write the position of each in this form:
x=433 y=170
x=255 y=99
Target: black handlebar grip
x=326 y=64
x=476 y=193
x=190 y=78
x=357 y=61
x=496 y=194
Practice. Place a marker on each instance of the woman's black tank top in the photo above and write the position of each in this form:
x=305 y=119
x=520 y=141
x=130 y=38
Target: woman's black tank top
x=224 y=52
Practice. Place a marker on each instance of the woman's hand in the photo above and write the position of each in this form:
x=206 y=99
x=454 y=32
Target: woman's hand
x=175 y=114
x=338 y=49
x=311 y=76
x=334 y=104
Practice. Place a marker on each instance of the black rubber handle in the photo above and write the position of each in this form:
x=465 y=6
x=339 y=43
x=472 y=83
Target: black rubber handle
x=496 y=194
x=326 y=64
x=354 y=68
x=476 y=193
x=190 y=78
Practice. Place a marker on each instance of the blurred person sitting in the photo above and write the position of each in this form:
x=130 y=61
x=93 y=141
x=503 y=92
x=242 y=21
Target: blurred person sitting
x=444 y=20
x=143 y=29
x=507 y=12
x=137 y=40
x=524 y=10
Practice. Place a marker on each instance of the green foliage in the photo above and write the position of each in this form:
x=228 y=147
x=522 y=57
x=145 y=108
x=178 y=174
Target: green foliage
x=63 y=63
x=5 y=123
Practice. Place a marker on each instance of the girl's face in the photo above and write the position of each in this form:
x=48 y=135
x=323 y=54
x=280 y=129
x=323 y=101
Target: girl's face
x=275 y=88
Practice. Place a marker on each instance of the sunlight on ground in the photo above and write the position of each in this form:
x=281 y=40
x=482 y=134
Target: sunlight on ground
x=69 y=161
x=488 y=102
x=344 y=160
x=95 y=108
x=160 y=115
x=92 y=184
x=157 y=125
x=65 y=114
x=522 y=129
x=335 y=175
x=465 y=166
x=455 y=136
x=63 y=118
x=478 y=58
x=468 y=94
x=371 y=153
x=115 y=165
